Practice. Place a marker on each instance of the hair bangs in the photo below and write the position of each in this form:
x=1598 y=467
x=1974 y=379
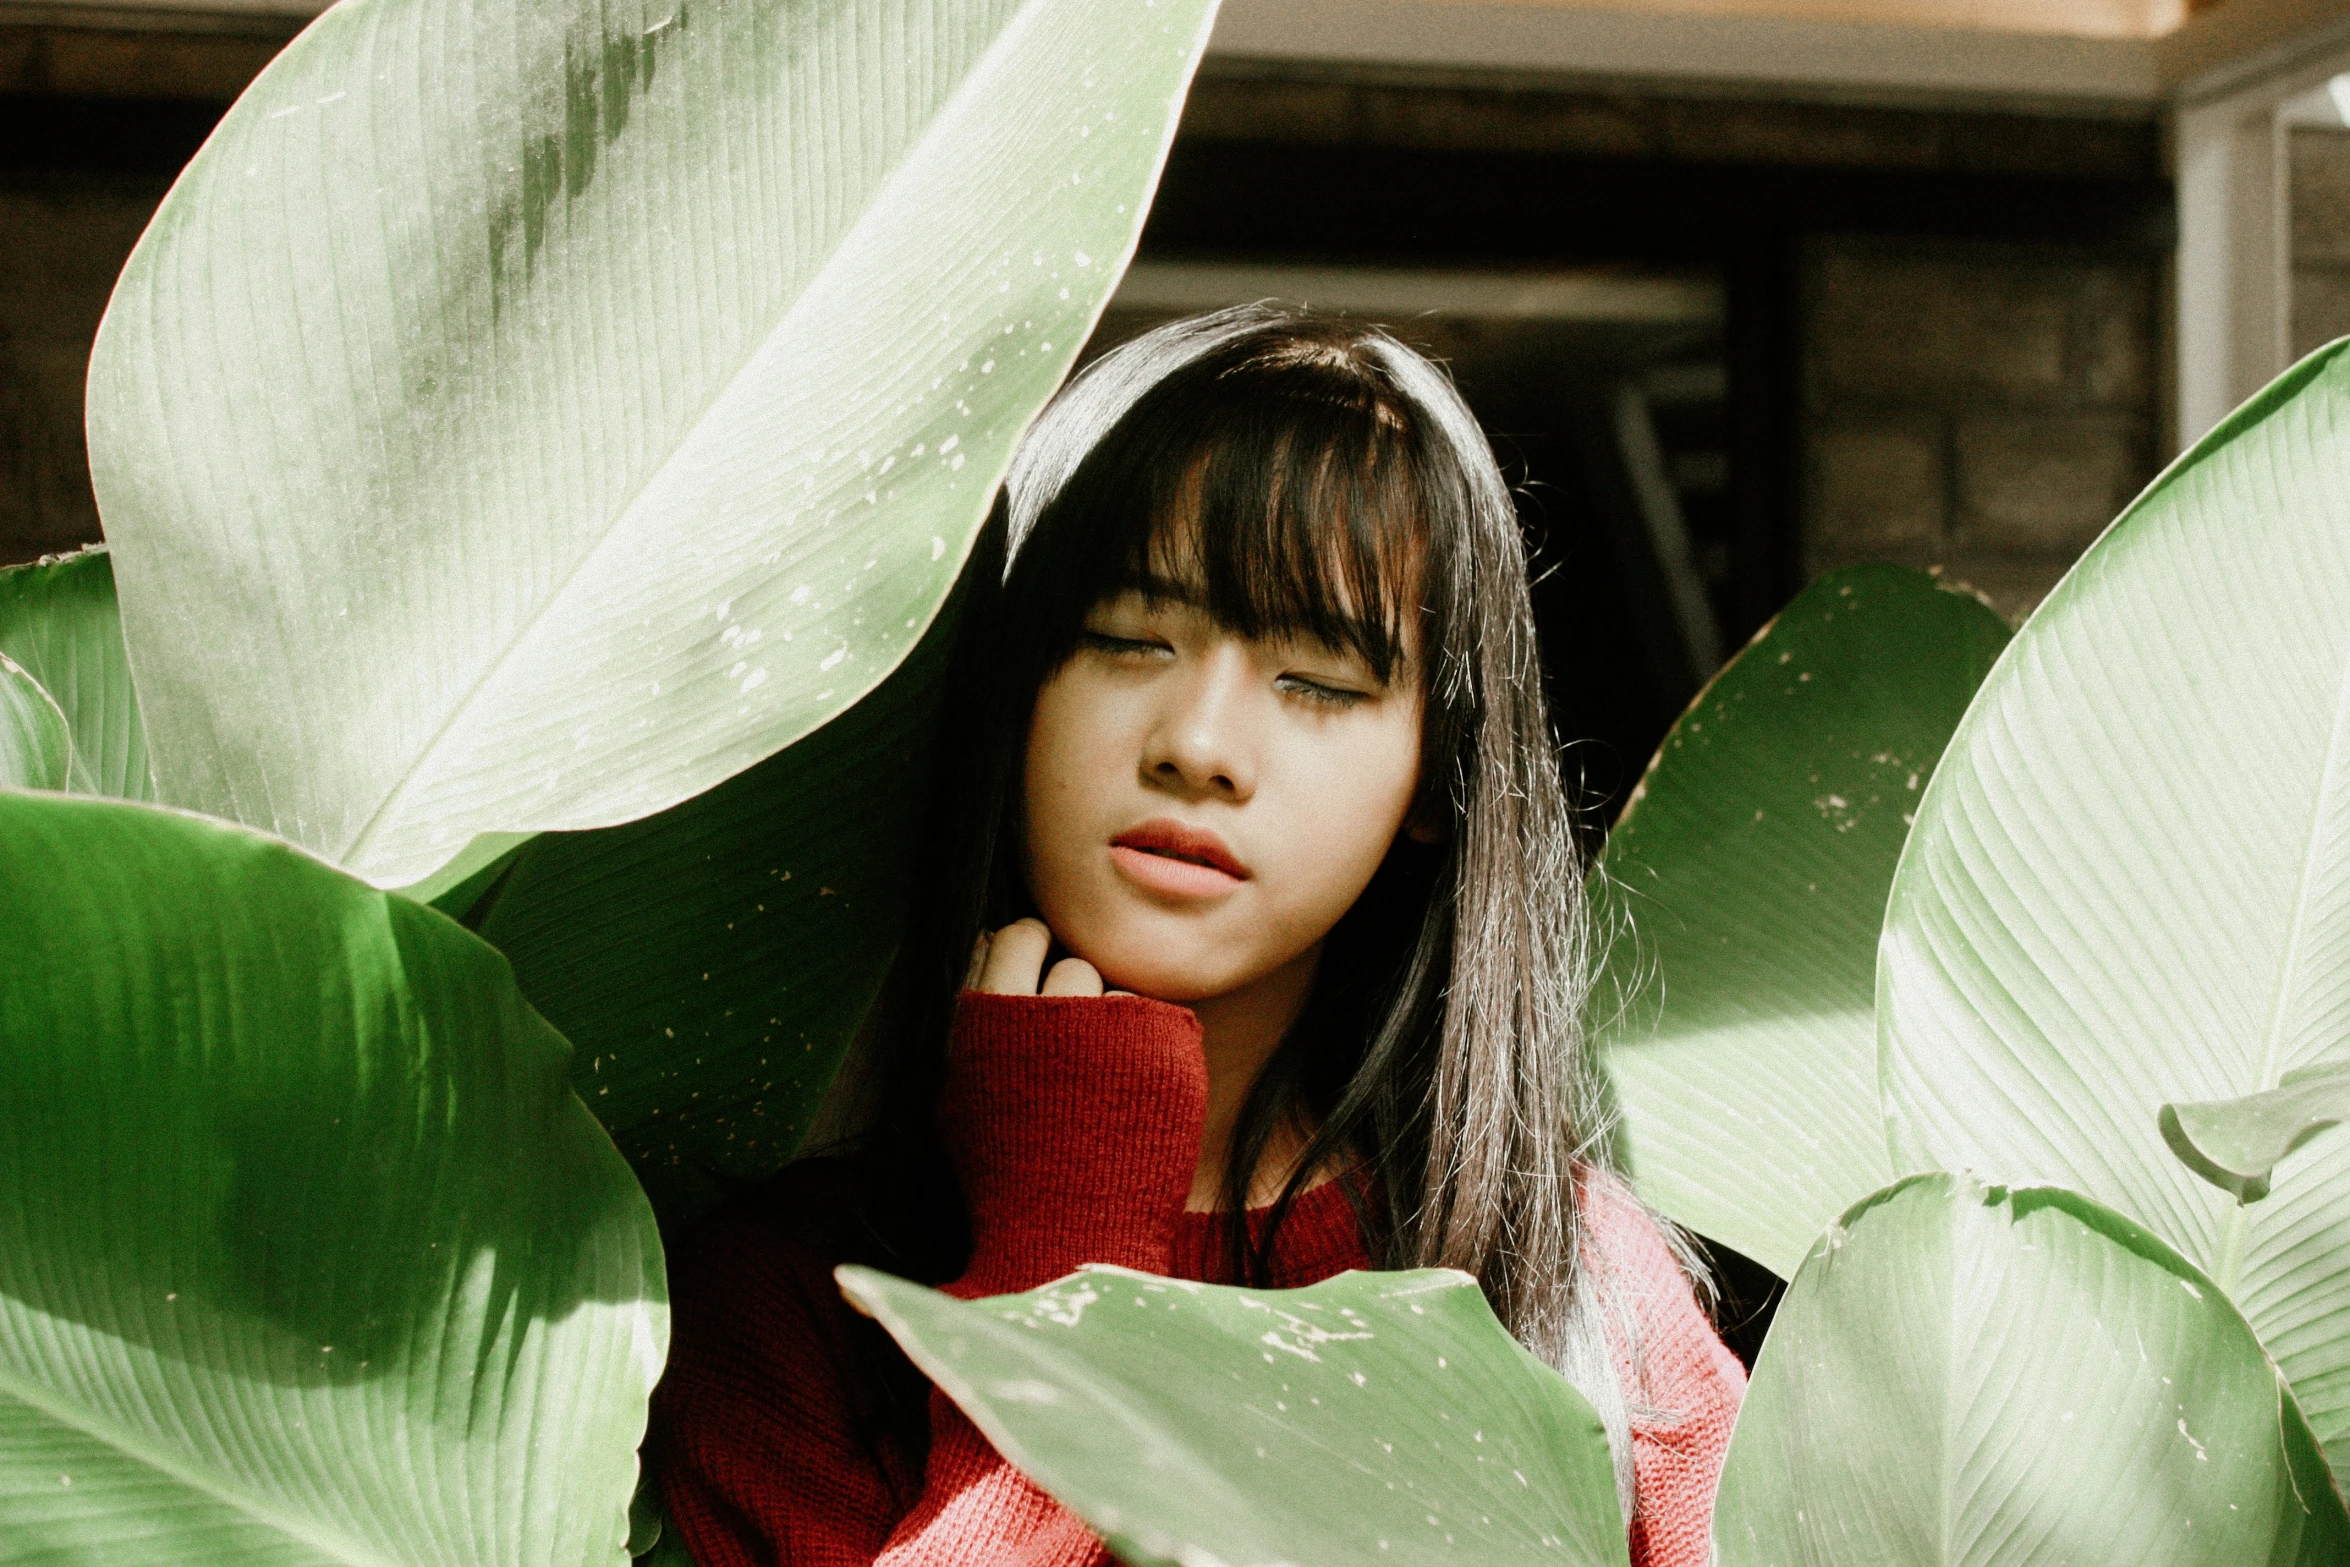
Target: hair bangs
x=1277 y=492
x=1301 y=525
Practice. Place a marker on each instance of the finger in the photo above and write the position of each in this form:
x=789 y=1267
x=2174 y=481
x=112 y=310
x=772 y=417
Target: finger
x=978 y=962
x=1073 y=977
x=1128 y=994
x=1015 y=957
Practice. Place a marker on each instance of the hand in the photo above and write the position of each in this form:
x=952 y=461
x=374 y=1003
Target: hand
x=1009 y=962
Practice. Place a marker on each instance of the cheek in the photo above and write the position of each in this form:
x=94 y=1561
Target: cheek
x=1061 y=774
x=1347 y=808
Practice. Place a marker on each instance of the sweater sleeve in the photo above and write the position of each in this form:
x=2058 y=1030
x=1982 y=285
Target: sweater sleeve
x=1074 y=1126
x=1684 y=1383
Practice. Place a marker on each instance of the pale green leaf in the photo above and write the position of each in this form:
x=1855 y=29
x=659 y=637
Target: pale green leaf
x=526 y=416
x=2236 y=1143
x=58 y=619
x=2130 y=883
x=36 y=749
x=1743 y=891
x=1374 y=1417
x=1969 y=1376
x=308 y=1254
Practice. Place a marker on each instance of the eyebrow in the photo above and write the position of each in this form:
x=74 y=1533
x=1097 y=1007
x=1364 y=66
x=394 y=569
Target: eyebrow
x=1162 y=589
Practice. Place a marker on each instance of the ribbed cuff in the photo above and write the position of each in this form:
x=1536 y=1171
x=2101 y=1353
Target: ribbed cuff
x=1074 y=1124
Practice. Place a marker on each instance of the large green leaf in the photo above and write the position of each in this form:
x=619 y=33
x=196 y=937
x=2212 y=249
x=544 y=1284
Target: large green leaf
x=58 y=619
x=2129 y=884
x=36 y=748
x=526 y=416
x=308 y=1254
x=1969 y=1376
x=1745 y=888
x=710 y=964
x=1374 y=1417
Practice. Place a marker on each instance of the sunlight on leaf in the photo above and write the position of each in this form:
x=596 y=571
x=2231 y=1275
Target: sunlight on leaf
x=1971 y=1376
x=2129 y=885
x=1743 y=892
x=1382 y=1417
x=535 y=444
x=308 y=1254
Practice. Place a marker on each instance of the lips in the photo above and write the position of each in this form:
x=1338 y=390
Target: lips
x=1164 y=856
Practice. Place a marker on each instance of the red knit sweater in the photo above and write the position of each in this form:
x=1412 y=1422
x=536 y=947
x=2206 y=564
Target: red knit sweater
x=1074 y=1125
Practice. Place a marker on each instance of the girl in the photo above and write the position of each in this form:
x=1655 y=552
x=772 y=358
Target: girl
x=1251 y=730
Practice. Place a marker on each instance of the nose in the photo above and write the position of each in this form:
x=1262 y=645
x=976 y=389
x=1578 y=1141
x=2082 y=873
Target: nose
x=1199 y=745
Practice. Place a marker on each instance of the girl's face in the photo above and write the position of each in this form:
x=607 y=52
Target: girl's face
x=1202 y=807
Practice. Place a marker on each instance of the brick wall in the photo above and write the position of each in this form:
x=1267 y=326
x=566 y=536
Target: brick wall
x=2320 y=164
x=1241 y=100
x=1982 y=408
x=63 y=242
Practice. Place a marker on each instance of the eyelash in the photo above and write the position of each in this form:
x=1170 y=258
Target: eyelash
x=1299 y=686
x=1103 y=642
x=1319 y=694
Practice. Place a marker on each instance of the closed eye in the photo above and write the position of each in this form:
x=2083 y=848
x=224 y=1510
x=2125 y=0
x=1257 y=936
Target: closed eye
x=1121 y=647
x=1319 y=693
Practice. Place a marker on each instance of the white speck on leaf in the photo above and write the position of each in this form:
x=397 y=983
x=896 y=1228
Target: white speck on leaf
x=1063 y=1304
x=1027 y=1391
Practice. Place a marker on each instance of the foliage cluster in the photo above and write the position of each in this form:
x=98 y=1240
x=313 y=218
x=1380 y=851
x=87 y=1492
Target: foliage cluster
x=533 y=441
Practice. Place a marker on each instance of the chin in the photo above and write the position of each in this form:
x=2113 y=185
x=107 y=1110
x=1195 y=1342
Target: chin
x=1160 y=981
x=1149 y=968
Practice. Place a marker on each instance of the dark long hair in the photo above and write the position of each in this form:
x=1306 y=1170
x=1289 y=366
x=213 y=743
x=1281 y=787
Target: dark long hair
x=1329 y=481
